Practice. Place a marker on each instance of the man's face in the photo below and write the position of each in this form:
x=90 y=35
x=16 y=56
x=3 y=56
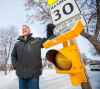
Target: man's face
x=25 y=30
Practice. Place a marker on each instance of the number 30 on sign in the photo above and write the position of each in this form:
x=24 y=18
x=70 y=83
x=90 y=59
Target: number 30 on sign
x=63 y=10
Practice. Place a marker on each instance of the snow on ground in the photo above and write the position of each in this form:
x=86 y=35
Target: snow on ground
x=87 y=48
x=6 y=79
x=84 y=45
x=49 y=80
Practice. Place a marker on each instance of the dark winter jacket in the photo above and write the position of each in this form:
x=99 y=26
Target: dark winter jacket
x=26 y=57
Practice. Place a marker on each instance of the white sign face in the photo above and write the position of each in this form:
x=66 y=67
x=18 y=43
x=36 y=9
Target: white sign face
x=63 y=10
x=66 y=25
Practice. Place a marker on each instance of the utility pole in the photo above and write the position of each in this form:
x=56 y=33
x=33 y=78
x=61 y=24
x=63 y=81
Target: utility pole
x=85 y=85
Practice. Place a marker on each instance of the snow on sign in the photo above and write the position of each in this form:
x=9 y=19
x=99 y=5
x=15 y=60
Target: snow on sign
x=63 y=10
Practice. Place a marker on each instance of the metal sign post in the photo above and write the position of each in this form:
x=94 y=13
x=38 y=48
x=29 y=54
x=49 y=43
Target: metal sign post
x=85 y=85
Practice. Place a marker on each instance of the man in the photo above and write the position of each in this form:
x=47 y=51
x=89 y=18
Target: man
x=26 y=58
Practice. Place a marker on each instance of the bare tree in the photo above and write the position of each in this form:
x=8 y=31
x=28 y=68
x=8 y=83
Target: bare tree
x=7 y=40
x=42 y=14
x=95 y=39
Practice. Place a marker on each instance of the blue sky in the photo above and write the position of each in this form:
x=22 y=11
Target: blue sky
x=11 y=12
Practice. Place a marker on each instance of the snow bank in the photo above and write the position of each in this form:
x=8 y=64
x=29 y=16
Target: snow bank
x=7 y=79
x=87 y=48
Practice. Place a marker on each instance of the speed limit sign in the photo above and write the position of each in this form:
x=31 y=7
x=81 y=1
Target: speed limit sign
x=63 y=10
